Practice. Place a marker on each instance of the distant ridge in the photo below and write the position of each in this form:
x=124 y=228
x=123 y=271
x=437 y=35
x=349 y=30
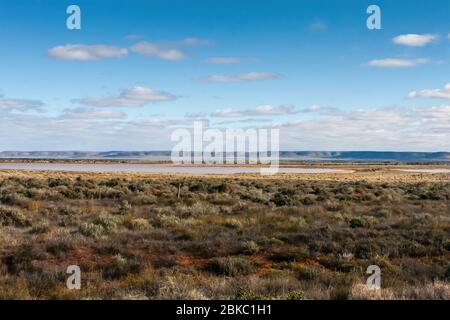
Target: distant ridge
x=288 y=155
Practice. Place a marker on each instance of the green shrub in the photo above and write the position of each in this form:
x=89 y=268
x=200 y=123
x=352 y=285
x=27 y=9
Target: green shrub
x=362 y=222
x=233 y=223
x=307 y=201
x=137 y=224
x=244 y=293
x=55 y=182
x=295 y=295
x=333 y=206
x=120 y=267
x=104 y=224
x=249 y=247
x=165 y=220
x=356 y=223
x=41 y=228
x=108 y=222
x=447 y=273
x=346 y=267
x=296 y=223
x=306 y=273
x=124 y=207
x=144 y=199
x=69 y=220
x=289 y=254
x=92 y=230
x=231 y=266
x=13 y=217
x=446 y=244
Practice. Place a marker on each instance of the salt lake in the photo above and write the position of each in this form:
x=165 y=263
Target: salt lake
x=155 y=168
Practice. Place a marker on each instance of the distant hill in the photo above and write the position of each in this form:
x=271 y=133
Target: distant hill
x=366 y=155
x=287 y=155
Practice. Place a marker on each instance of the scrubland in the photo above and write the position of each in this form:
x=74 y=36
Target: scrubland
x=304 y=236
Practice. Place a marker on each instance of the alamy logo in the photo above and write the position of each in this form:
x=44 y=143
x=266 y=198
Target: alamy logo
x=374 y=280
x=233 y=146
x=374 y=20
x=74 y=280
x=73 y=22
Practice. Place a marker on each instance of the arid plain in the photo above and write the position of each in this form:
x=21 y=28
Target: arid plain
x=242 y=236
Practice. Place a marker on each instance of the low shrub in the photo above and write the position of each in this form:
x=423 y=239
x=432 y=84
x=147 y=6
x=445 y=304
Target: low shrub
x=249 y=247
x=121 y=267
x=137 y=224
x=231 y=266
x=92 y=230
x=233 y=223
x=13 y=217
x=244 y=293
x=295 y=295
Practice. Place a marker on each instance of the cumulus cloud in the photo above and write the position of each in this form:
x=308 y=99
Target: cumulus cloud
x=193 y=42
x=223 y=60
x=92 y=114
x=81 y=52
x=270 y=110
x=133 y=97
x=414 y=40
x=227 y=113
x=22 y=105
x=396 y=63
x=397 y=129
x=264 y=110
x=443 y=93
x=195 y=115
x=167 y=50
x=436 y=114
x=380 y=129
x=319 y=109
x=152 y=49
x=245 y=121
x=243 y=77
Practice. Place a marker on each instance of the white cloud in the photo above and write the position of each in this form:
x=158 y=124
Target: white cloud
x=319 y=109
x=270 y=110
x=224 y=60
x=396 y=129
x=245 y=121
x=264 y=110
x=22 y=105
x=396 y=63
x=192 y=42
x=92 y=114
x=152 y=49
x=81 y=52
x=319 y=25
x=244 y=77
x=195 y=115
x=167 y=50
x=443 y=93
x=133 y=97
x=414 y=40
x=227 y=113
x=436 y=114
x=379 y=129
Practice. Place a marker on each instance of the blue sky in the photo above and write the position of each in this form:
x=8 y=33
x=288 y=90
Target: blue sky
x=137 y=69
